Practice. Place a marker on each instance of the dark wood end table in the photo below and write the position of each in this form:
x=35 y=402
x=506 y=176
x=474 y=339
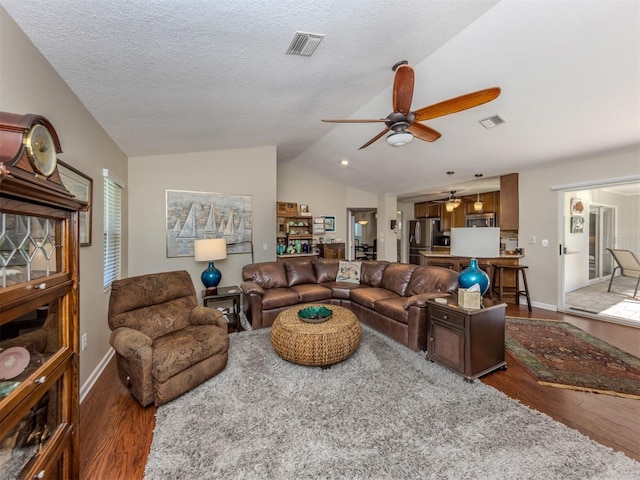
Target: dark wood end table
x=232 y=294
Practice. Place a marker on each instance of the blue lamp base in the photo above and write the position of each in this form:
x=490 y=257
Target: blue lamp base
x=472 y=275
x=211 y=277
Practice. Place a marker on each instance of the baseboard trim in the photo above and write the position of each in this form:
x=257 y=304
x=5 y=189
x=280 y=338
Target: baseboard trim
x=93 y=378
x=544 y=306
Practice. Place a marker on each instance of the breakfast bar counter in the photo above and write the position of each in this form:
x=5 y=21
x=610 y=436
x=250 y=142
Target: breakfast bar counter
x=439 y=259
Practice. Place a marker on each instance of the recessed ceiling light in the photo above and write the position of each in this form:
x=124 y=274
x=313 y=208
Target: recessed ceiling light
x=344 y=163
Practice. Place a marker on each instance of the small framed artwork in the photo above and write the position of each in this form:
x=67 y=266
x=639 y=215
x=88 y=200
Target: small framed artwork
x=81 y=186
x=318 y=226
x=304 y=209
x=576 y=207
x=577 y=224
x=329 y=223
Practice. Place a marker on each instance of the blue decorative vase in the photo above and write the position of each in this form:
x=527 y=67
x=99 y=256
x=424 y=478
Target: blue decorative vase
x=211 y=276
x=472 y=275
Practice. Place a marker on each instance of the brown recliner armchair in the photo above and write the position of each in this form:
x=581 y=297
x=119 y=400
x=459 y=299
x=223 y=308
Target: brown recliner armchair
x=165 y=343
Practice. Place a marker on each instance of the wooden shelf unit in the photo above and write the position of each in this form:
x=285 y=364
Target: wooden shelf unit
x=39 y=406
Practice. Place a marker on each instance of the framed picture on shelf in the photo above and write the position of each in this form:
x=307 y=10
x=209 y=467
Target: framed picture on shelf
x=329 y=223
x=304 y=209
x=81 y=186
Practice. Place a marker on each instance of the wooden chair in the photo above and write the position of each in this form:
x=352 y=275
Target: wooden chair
x=627 y=264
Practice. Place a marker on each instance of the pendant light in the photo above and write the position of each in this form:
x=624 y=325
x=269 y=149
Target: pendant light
x=452 y=203
x=477 y=206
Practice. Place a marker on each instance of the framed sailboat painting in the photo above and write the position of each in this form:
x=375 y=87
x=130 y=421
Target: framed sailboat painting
x=194 y=215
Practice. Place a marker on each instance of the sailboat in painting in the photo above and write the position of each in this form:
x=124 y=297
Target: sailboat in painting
x=210 y=226
x=188 y=230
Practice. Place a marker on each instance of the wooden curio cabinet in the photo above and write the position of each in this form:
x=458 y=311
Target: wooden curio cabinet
x=38 y=307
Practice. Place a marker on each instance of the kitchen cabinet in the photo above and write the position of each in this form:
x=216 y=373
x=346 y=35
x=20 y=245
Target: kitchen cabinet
x=468 y=342
x=509 y=214
x=420 y=210
x=426 y=209
x=39 y=278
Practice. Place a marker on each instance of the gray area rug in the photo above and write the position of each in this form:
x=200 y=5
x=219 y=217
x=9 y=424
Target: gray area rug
x=384 y=413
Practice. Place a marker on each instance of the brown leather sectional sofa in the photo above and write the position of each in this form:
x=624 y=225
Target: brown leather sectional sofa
x=390 y=297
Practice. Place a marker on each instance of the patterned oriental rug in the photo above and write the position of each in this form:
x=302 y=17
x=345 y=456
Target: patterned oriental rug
x=558 y=354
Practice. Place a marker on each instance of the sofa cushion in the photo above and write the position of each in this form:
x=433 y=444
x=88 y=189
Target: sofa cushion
x=341 y=290
x=371 y=272
x=396 y=277
x=311 y=292
x=279 y=297
x=266 y=274
x=367 y=296
x=326 y=270
x=430 y=279
x=348 y=272
x=299 y=272
x=392 y=308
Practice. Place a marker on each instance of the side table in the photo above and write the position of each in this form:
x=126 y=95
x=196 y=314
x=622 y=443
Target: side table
x=232 y=294
x=469 y=342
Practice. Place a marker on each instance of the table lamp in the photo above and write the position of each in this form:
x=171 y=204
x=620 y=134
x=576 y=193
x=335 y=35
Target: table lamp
x=475 y=242
x=208 y=250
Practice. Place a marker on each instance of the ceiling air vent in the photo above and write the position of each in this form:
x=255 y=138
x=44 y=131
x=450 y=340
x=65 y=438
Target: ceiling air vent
x=493 y=121
x=304 y=43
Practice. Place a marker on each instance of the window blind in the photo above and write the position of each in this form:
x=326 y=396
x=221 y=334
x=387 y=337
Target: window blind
x=112 y=231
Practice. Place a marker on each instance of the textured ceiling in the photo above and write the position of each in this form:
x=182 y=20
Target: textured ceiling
x=194 y=75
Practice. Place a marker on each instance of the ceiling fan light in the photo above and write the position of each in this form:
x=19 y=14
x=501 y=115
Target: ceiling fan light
x=450 y=206
x=399 y=139
x=477 y=206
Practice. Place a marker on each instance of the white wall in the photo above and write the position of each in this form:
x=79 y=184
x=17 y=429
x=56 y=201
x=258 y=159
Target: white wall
x=250 y=171
x=28 y=84
x=325 y=197
x=540 y=208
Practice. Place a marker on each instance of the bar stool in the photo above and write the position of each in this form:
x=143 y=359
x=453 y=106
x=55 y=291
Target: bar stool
x=519 y=270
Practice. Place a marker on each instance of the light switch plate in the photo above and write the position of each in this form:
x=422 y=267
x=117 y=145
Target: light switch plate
x=544 y=242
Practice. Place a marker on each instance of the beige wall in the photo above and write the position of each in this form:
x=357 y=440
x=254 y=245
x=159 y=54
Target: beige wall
x=28 y=84
x=250 y=171
x=541 y=214
x=326 y=197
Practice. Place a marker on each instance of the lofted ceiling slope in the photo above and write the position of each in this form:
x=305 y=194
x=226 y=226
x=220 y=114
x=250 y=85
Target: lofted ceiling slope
x=193 y=75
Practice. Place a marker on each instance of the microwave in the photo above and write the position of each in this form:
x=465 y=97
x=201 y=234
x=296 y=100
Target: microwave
x=480 y=220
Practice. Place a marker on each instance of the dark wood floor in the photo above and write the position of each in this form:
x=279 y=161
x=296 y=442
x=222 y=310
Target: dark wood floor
x=116 y=433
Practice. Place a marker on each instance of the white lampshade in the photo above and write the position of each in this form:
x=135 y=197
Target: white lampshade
x=473 y=242
x=399 y=139
x=209 y=249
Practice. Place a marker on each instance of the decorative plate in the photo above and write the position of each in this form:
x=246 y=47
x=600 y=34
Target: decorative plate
x=13 y=361
x=314 y=314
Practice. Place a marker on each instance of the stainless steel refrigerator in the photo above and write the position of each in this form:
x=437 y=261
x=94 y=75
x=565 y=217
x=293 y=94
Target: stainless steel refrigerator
x=422 y=237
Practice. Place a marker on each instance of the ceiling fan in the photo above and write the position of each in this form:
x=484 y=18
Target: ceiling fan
x=404 y=123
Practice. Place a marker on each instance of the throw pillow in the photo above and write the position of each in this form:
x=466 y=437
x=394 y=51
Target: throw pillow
x=349 y=272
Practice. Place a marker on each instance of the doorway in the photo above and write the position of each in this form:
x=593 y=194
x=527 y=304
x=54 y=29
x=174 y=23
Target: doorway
x=606 y=218
x=363 y=232
x=601 y=236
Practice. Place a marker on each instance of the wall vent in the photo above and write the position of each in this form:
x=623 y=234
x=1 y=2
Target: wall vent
x=304 y=43
x=493 y=121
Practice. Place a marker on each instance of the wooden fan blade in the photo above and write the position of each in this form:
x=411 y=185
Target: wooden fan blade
x=423 y=132
x=457 y=104
x=403 y=89
x=371 y=120
x=381 y=134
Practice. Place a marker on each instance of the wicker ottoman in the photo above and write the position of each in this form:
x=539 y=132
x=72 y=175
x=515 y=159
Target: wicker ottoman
x=315 y=344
